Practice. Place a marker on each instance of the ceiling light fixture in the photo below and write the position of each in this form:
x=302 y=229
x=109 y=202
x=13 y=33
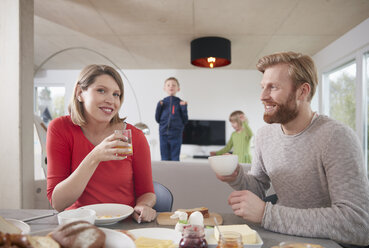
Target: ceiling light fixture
x=210 y=52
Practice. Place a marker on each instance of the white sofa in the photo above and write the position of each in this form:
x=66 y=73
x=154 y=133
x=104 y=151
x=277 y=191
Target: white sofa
x=193 y=184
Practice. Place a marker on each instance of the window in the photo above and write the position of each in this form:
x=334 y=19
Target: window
x=345 y=97
x=49 y=104
x=342 y=94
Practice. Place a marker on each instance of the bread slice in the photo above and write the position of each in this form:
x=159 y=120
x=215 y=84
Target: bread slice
x=79 y=234
x=43 y=242
x=203 y=210
x=7 y=227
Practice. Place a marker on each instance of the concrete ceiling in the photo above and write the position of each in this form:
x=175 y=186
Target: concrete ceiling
x=156 y=34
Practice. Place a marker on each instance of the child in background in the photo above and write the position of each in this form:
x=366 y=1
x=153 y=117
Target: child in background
x=171 y=114
x=240 y=138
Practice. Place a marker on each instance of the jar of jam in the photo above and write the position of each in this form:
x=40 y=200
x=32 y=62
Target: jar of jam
x=193 y=236
x=230 y=240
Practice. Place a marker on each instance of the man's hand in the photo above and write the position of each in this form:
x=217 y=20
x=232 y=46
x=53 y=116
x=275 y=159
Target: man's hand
x=183 y=103
x=229 y=178
x=247 y=205
x=213 y=153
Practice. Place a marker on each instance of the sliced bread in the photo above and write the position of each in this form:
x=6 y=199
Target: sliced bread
x=7 y=227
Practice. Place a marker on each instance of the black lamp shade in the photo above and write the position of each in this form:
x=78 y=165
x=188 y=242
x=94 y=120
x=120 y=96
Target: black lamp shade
x=210 y=52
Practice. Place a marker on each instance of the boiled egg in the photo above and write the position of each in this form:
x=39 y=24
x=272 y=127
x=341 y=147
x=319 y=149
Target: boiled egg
x=196 y=218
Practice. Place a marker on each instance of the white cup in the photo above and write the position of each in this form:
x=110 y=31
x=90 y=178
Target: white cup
x=224 y=165
x=68 y=216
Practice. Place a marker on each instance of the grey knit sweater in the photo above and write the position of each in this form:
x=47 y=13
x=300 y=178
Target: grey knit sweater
x=320 y=180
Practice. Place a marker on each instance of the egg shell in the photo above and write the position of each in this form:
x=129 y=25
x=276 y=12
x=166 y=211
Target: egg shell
x=196 y=218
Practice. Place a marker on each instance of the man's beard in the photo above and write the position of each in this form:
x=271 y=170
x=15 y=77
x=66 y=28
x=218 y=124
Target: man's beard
x=285 y=112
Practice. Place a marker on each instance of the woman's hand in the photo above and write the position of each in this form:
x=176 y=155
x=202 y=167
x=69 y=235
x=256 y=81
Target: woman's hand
x=242 y=117
x=144 y=213
x=111 y=148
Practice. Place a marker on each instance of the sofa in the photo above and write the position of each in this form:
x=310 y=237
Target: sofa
x=193 y=184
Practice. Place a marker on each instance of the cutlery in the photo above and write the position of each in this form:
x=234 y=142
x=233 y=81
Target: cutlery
x=217 y=226
x=39 y=217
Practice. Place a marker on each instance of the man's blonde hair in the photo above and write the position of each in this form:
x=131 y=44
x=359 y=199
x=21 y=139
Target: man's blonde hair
x=301 y=68
x=235 y=117
x=85 y=79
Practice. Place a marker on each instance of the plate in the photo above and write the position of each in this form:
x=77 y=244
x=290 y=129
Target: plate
x=157 y=233
x=21 y=225
x=110 y=213
x=115 y=239
x=212 y=242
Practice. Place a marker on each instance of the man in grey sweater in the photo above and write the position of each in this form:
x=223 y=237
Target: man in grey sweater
x=314 y=163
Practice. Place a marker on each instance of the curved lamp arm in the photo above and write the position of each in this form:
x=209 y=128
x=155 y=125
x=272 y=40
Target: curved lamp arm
x=139 y=125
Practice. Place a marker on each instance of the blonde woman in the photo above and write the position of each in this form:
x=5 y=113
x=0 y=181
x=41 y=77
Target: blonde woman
x=84 y=166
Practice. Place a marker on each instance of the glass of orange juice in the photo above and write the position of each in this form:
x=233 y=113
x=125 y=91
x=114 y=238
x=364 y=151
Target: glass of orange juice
x=128 y=134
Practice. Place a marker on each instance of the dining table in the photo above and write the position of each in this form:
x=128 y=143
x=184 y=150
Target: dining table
x=47 y=224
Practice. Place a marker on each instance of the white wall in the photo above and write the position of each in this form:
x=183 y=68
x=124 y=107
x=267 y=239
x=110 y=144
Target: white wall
x=211 y=94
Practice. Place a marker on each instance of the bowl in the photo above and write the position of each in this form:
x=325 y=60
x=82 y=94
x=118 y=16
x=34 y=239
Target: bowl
x=68 y=216
x=110 y=213
x=223 y=165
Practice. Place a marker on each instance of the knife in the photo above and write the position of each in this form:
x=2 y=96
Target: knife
x=39 y=217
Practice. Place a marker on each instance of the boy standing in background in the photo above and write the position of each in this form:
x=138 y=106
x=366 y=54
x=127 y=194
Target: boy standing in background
x=171 y=114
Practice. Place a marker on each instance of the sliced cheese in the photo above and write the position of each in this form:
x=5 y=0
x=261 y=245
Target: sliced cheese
x=7 y=227
x=144 y=242
x=248 y=234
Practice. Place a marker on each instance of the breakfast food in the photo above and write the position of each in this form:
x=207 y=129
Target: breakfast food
x=27 y=241
x=143 y=242
x=42 y=242
x=7 y=227
x=248 y=234
x=203 y=210
x=79 y=234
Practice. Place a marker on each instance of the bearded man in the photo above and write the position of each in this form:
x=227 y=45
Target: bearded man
x=314 y=163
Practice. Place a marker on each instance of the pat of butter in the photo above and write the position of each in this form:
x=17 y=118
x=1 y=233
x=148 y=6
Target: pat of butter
x=248 y=235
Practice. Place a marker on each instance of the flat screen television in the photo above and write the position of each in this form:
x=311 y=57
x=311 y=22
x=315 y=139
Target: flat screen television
x=204 y=132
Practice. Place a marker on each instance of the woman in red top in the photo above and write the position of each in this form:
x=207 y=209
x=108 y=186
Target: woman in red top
x=83 y=166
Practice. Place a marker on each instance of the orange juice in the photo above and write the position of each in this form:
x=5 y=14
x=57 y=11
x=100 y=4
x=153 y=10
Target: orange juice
x=127 y=153
x=128 y=134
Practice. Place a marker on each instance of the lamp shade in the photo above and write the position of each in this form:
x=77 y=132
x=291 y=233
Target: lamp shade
x=210 y=52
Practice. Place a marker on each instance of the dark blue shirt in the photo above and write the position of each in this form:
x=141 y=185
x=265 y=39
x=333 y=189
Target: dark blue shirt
x=171 y=116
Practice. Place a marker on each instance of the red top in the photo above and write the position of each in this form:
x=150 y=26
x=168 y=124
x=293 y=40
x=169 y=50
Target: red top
x=116 y=181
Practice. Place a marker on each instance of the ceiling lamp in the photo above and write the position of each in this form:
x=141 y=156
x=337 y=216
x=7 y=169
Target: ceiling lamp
x=210 y=52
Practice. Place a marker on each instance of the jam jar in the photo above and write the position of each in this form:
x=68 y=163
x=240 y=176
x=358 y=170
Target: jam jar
x=193 y=236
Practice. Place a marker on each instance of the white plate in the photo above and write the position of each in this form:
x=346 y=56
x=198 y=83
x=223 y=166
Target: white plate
x=212 y=242
x=115 y=239
x=21 y=225
x=157 y=233
x=116 y=211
